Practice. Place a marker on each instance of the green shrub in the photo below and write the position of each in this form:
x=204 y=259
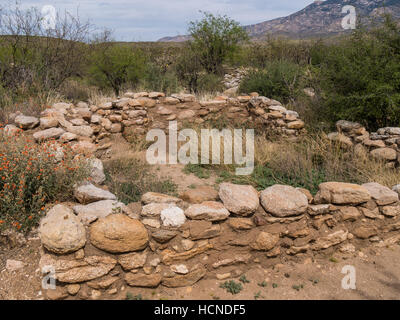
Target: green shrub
x=214 y=38
x=30 y=177
x=113 y=66
x=280 y=80
x=360 y=77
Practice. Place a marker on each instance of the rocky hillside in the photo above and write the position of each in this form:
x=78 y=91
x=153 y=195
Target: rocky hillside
x=321 y=18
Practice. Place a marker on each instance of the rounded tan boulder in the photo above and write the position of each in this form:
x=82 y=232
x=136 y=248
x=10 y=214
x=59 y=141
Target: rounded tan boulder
x=117 y=233
x=283 y=201
x=240 y=199
x=61 y=231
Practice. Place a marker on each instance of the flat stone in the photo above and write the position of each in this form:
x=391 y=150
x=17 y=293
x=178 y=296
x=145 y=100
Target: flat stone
x=330 y=240
x=208 y=210
x=143 y=280
x=381 y=194
x=342 y=193
x=26 y=122
x=52 y=133
x=241 y=223
x=154 y=209
x=89 y=193
x=77 y=271
x=134 y=260
x=169 y=256
x=96 y=210
x=154 y=197
x=163 y=236
x=185 y=280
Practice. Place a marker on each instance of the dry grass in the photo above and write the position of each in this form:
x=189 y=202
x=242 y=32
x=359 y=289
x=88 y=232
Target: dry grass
x=316 y=159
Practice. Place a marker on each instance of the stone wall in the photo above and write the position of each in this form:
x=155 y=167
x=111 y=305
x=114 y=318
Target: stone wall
x=99 y=245
x=383 y=144
x=88 y=127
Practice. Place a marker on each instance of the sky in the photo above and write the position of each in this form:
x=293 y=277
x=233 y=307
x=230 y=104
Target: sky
x=149 y=20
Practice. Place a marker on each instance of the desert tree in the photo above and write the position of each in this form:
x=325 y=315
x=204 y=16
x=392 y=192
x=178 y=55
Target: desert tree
x=214 y=38
x=38 y=56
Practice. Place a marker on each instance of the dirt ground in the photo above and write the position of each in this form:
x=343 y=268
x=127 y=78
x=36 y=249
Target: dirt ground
x=377 y=277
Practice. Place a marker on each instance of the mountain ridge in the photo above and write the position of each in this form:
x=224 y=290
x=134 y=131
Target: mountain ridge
x=320 y=18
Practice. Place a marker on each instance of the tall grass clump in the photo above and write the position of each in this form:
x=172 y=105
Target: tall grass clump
x=31 y=177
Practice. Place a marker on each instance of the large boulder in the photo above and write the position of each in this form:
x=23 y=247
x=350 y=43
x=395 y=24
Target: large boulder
x=117 y=233
x=61 y=231
x=283 y=201
x=341 y=193
x=239 y=199
x=208 y=210
x=89 y=193
x=381 y=194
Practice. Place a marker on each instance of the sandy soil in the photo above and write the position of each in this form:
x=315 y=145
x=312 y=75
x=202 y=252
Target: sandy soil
x=377 y=277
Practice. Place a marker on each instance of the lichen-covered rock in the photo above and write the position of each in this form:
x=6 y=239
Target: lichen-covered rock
x=240 y=199
x=61 y=231
x=173 y=217
x=117 y=233
x=283 y=201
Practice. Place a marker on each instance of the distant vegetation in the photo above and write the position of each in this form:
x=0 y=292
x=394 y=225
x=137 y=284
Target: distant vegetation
x=355 y=77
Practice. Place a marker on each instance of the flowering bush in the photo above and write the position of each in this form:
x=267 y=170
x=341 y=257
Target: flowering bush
x=32 y=175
